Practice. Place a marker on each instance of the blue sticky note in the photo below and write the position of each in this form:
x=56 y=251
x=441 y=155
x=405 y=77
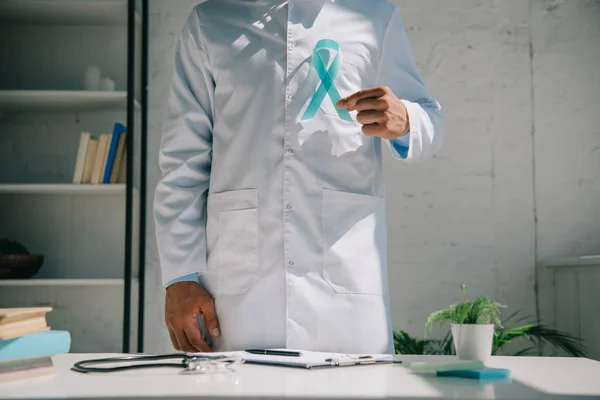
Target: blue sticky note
x=486 y=373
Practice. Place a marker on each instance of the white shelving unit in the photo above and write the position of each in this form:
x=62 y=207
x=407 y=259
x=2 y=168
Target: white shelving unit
x=79 y=306
x=65 y=12
x=64 y=189
x=567 y=295
x=45 y=46
x=62 y=282
x=63 y=100
x=569 y=262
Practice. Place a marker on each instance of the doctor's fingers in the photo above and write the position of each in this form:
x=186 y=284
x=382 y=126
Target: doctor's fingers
x=210 y=318
x=372 y=117
x=377 y=104
x=376 y=130
x=192 y=334
x=188 y=341
x=183 y=342
x=350 y=101
x=174 y=341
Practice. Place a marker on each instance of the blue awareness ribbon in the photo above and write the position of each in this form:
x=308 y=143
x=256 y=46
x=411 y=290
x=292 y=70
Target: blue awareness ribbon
x=327 y=76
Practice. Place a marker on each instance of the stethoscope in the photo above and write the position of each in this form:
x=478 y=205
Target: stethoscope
x=188 y=363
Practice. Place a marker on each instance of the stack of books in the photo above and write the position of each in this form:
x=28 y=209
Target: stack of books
x=27 y=343
x=102 y=159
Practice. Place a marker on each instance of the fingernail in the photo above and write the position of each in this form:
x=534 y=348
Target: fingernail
x=216 y=332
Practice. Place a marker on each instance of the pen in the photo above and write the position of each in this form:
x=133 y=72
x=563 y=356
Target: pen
x=275 y=352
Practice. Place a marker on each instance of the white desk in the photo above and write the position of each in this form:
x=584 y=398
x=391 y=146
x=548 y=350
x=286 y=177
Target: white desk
x=532 y=378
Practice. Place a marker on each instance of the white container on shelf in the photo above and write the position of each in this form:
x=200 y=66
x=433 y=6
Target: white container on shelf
x=92 y=78
x=107 y=84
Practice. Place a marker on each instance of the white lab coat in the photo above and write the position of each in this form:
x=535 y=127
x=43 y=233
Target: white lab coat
x=283 y=219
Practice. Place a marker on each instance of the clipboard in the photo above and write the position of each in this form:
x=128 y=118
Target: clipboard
x=319 y=360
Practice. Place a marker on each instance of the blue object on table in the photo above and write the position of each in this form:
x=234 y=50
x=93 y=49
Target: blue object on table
x=34 y=345
x=454 y=365
x=486 y=373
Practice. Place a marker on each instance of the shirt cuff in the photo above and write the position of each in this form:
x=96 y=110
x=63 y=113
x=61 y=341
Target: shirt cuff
x=186 y=278
x=402 y=145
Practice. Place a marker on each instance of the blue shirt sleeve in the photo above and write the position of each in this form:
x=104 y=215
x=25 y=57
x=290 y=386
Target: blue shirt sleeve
x=186 y=278
x=401 y=145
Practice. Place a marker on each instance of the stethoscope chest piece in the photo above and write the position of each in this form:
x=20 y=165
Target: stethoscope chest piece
x=195 y=365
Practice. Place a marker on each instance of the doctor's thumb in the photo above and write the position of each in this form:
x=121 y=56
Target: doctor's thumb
x=210 y=319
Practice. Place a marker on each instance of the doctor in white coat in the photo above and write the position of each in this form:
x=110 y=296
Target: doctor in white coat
x=270 y=213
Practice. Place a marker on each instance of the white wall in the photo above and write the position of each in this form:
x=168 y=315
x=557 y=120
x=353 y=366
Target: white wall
x=517 y=178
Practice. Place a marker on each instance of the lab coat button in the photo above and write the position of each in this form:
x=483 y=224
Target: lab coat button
x=289 y=206
x=290 y=152
x=291 y=263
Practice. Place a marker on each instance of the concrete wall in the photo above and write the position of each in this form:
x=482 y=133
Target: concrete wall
x=517 y=178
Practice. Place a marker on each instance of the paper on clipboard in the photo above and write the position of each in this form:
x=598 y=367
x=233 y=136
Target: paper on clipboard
x=312 y=360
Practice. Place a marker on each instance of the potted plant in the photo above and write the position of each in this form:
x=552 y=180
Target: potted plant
x=538 y=335
x=472 y=324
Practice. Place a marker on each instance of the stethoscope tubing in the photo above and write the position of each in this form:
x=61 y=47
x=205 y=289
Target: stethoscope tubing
x=85 y=365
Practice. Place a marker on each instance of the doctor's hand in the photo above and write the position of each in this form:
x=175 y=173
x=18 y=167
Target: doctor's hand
x=379 y=111
x=186 y=301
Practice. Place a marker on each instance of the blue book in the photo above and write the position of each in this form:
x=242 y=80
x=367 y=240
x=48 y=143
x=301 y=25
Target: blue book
x=35 y=345
x=118 y=130
x=486 y=373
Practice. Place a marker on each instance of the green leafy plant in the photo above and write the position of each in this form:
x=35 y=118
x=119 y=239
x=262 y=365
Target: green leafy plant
x=482 y=310
x=406 y=344
x=8 y=246
x=537 y=335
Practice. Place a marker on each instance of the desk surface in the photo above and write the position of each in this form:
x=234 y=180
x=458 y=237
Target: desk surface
x=532 y=378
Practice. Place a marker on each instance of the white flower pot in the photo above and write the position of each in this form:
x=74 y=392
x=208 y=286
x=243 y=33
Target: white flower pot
x=473 y=342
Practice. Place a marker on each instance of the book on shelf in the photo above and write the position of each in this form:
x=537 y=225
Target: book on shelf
x=15 y=322
x=89 y=155
x=101 y=160
x=117 y=142
x=27 y=343
x=81 y=153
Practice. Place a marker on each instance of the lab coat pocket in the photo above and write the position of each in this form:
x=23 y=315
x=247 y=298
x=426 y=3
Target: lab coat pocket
x=235 y=214
x=353 y=242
